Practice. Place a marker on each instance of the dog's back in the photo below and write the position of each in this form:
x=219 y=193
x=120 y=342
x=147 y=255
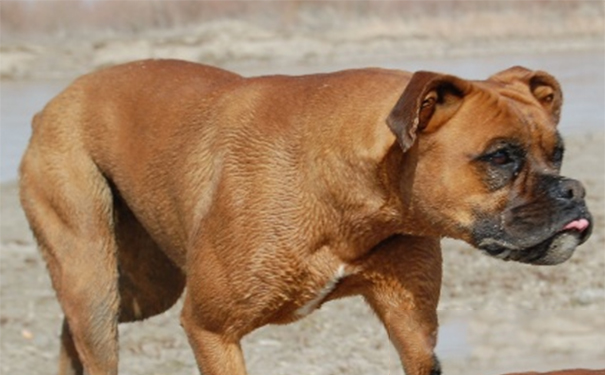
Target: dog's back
x=161 y=132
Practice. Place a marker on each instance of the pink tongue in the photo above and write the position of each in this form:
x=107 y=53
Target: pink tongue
x=579 y=225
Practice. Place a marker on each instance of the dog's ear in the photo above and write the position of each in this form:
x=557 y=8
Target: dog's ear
x=544 y=87
x=429 y=100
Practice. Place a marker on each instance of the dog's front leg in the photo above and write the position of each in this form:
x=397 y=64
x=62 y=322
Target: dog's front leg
x=215 y=352
x=403 y=283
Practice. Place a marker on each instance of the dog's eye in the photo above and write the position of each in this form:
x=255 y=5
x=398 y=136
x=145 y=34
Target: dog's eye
x=501 y=164
x=508 y=158
x=500 y=157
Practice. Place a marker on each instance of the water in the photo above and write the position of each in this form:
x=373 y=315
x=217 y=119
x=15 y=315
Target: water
x=19 y=101
x=582 y=75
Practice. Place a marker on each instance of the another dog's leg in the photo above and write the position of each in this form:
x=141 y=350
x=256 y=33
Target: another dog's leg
x=404 y=280
x=215 y=352
x=69 y=206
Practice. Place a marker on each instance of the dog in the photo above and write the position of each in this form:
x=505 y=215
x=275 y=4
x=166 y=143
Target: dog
x=269 y=196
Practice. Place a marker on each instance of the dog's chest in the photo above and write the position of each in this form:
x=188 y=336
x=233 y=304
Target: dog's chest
x=321 y=293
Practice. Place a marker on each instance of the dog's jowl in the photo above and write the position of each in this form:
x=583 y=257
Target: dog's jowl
x=270 y=196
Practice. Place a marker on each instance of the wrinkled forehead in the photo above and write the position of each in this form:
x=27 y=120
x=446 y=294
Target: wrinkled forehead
x=512 y=112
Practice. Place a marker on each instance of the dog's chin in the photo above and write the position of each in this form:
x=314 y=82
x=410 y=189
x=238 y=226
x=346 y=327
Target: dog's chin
x=554 y=250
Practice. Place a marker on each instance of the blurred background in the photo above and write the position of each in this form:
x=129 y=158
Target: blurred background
x=44 y=39
x=495 y=316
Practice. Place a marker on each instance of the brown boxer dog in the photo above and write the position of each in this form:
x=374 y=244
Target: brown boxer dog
x=269 y=196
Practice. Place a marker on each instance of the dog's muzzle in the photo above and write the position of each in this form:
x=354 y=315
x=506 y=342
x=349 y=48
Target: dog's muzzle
x=554 y=250
x=544 y=231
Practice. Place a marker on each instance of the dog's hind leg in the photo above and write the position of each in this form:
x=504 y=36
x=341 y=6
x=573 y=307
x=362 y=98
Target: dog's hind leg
x=69 y=206
x=69 y=361
x=149 y=282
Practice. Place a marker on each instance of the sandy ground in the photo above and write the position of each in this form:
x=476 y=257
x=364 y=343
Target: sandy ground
x=496 y=316
x=314 y=37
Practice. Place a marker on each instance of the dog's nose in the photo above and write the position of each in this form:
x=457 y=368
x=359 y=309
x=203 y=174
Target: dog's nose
x=572 y=190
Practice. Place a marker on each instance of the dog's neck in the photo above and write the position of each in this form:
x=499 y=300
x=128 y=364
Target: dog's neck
x=397 y=175
x=379 y=202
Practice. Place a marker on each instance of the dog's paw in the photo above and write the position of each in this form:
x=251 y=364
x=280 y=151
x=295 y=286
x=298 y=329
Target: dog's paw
x=436 y=367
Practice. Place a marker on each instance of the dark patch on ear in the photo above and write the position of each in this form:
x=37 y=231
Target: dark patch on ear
x=425 y=94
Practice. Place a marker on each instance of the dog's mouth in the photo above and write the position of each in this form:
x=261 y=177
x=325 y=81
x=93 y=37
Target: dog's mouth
x=555 y=249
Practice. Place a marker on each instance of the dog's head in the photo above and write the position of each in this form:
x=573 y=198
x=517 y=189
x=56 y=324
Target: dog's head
x=486 y=161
